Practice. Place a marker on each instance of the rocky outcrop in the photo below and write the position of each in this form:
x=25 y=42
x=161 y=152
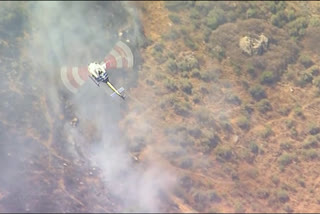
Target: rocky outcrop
x=254 y=46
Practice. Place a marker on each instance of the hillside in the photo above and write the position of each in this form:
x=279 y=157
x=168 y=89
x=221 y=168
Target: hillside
x=240 y=132
x=221 y=113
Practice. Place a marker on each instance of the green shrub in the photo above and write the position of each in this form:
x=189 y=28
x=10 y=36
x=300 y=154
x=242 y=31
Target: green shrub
x=279 y=19
x=289 y=123
x=313 y=129
x=170 y=84
x=234 y=175
x=223 y=153
x=203 y=115
x=200 y=197
x=285 y=159
x=171 y=55
x=301 y=182
x=264 y=106
x=13 y=20
x=248 y=108
x=267 y=132
x=268 y=77
x=184 y=141
x=217 y=52
x=158 y=47
x=316 y=82
x=196 y=26
x=246 y=155
x=306 y=61
x=251 y=71
x=172 y=65
x=209 y=142
x=291 y=15
x=195 y=73
x=176 y=5
x=280 y=5
x=275 y=179
x=304 y=79
x=243 y=122
x=214 y=139
x=172 y=35
x=160 y=76
x=288 y=209
x=284 y=110
x=298 y=111
x=245 y=85
x=196 y=98
x=184 y=74
x=215 y=18
x=310 y=154
x=297 y=27
x=186 y=163
x=314 y=22
x=186 y=182
x=271 y=6
x=184 y=30
x=175 y=19
x=214 y=197
x=168 y=101
x=159 y=57
x=232 y=98
x=307 y=77
x=186 y=86
x=195 y=132
x=310 y=142
x=213 y=22
x=194 y=14
x=182 y=108
x=206 y=35
x=226 y=125
x=314 y=70
x=293 y=132
x=282 y=196
x=203 y=7
x=179 y=138
x=190 y=43
x=187 y=63
x=291 y=75
x=236 y=68
x=175 y=128
x=182 y=65
x=257 y=92
x=208 y=76
x=251 y=13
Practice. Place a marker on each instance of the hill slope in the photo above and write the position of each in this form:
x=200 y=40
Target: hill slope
x=240 y=132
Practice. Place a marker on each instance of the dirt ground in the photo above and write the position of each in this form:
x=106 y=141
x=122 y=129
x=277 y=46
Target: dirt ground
x=156 y=23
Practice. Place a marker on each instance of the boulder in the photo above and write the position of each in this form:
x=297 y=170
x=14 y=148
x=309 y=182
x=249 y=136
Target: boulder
x=254 y=46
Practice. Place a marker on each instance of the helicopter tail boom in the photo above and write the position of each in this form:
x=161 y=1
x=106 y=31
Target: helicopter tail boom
x=120 y=90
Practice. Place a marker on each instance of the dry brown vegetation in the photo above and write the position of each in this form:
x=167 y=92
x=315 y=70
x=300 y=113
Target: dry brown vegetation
x=240 y=132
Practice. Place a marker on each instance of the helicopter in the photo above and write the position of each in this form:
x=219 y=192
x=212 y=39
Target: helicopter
x=98 y=74
x=120 y=57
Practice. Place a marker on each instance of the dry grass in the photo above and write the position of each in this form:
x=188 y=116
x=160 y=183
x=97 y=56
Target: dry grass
x=254 y=146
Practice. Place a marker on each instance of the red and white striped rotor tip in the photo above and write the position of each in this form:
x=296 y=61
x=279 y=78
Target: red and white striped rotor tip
x=119 y=57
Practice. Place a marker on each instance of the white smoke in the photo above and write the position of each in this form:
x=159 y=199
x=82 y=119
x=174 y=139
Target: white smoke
x=76 y=33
